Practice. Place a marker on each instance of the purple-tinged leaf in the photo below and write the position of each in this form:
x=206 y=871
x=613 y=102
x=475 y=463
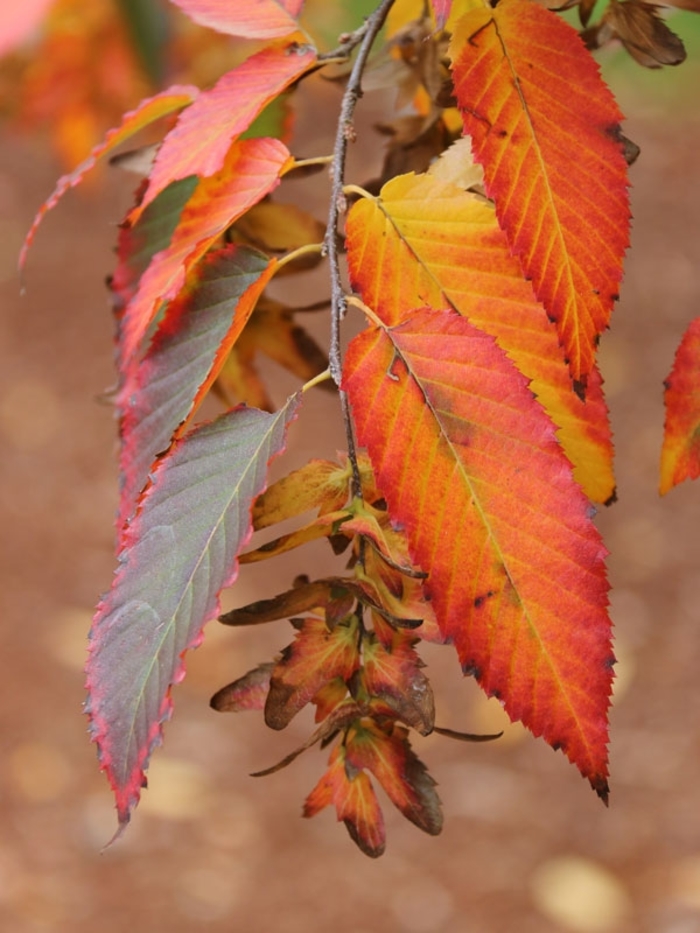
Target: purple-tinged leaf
x=159 y=395
x=177 y=554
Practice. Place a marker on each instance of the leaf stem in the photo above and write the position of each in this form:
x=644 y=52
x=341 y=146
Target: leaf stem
x=306 y=250
x=345 y=132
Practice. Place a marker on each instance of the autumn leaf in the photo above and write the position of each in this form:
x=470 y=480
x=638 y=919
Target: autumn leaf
x=516 y=567
x=317 y=655
x=252 y=169
x=643 y=33
x=138 y=244
x=161 y=393
x=249 y=692
x=306 y=596
x=355 y=802
x=680 y=453
x=319 y=484
x=274 y=332
x=259 y=19
x=148 y=111
x=393 y=673
x=441 y=246
x=388 y=755
x=177 y=554
x=199 y=142
x=546 y=130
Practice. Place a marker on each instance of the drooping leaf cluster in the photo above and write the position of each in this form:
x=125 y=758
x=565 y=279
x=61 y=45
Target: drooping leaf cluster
x=486 y=259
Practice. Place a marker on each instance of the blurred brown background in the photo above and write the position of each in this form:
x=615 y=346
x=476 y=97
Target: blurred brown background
x=526 y=847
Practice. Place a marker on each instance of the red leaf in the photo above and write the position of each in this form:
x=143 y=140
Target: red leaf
x=252 y=19
x=177 y=554
x=356 y=804
x=175 y=98
x=680 y=454
x=516 y=567
x=252 y=169
x=200 y=140
x=545 y=127
x=393 y=675
x=161 y=394
x=400 y=772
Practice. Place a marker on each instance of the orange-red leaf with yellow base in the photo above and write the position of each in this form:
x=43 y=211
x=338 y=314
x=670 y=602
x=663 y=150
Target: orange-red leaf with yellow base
x=680 y=453
x=427 y=241
x=470 y=465
x=148 y=111
x=546 y=129
x=251 y=170
x=199 y=142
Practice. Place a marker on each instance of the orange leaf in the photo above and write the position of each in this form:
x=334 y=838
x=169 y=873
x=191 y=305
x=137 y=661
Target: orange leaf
x=680 y=454
x=255 y=19
x=175 y=98
x=516 y=567
x=317 y=655
x=546 y=129
x=200 y=140
x=442 y=246
x=402 y=775
x=251 y=170
x=355 y=802
x=392 y=673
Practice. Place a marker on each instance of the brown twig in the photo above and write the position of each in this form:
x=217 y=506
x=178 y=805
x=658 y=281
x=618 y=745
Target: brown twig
x=364 y=36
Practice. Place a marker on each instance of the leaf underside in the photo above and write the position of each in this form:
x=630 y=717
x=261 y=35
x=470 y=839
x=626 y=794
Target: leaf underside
x=251 y=170
x=161 y=394
x=516 y=567
x=546 y=129
x=177 y=554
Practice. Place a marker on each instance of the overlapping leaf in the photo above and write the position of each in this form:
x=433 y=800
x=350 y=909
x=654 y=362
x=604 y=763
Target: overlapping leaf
x=161 y=393
x=138 y=244
x=426 y=241
x=148 y=111
x=402 y=775
x=470 y=465
x=680 y=454
x=262 y=19
x=318 y=655
x=355 y=802
x=251 y=170
x=177 y=554
x=546 y=130
x=200 y=140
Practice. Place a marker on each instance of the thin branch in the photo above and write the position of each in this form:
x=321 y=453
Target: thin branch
x=366 y=36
